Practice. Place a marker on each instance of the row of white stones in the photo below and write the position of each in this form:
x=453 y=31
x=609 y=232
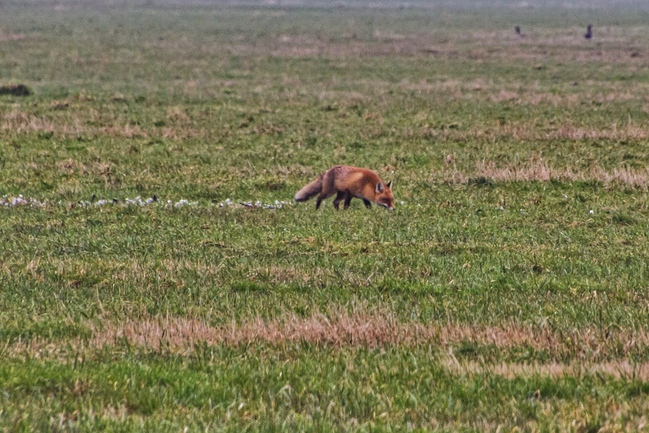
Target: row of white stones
x=8 y=201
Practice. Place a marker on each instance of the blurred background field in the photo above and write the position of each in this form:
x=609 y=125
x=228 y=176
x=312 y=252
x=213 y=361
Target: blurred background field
x=508 y=289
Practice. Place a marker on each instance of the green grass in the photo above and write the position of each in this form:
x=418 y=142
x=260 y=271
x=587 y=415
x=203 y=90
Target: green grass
x=508 y=289
x=299 y=388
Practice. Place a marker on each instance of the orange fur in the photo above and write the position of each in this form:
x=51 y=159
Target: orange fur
x=347 y=183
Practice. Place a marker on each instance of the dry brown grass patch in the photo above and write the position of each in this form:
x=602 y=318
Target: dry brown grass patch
x=591 y=351
x=73 y=125
x=623 y=369
x=18 y=121
x=538 y=170
x=626 y=132
x=364 y=328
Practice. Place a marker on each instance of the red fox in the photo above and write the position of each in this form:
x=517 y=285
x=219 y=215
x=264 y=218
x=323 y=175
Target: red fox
x=349 y=182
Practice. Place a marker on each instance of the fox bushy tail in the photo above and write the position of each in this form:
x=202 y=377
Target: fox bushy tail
x=311 y=190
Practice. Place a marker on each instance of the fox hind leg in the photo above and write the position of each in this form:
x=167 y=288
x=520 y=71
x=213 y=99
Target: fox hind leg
x=322 y=196
x=341 y=195
x=328 y=189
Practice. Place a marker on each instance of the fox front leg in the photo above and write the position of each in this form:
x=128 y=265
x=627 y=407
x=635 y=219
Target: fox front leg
x=348 y=199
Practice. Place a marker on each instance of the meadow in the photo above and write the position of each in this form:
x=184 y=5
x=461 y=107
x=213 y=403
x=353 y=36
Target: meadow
x=508 y=291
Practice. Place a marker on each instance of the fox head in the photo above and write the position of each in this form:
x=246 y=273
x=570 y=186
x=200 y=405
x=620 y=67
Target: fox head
x=384 y=195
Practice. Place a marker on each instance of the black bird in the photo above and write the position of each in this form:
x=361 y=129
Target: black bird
x=589 y=32
x=518 y=30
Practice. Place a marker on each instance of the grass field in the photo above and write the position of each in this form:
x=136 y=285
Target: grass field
x=509 y=291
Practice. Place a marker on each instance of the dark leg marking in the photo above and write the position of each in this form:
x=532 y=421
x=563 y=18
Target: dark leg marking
x=348 y=199
x=339 y=197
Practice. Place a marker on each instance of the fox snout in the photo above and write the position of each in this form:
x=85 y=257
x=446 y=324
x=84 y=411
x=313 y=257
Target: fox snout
x=388 y=206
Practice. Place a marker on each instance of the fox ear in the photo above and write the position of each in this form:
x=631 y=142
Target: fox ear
x=379 y=187
x=389 y=184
